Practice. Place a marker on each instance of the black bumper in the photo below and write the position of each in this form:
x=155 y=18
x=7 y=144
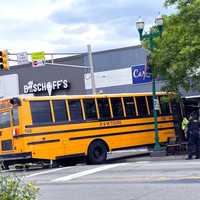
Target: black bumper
x=17 y=156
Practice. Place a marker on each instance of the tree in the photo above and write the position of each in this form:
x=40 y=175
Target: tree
x=13 y=188
x=176 y=57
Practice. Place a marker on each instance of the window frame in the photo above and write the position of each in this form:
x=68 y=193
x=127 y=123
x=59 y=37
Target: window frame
x=95 y=106
x=109 y=105
x=122 y=110
x=134 y=107
x=142 y=115
x=161 y=110
x=54 y=113
x=50 y=109
x=9 y=124
x=81 y=119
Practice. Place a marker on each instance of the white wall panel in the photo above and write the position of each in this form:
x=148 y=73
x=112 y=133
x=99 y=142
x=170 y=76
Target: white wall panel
x=9 y=85
x=109 y=78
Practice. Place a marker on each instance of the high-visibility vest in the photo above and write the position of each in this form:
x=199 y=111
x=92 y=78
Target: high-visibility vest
x=184 y=123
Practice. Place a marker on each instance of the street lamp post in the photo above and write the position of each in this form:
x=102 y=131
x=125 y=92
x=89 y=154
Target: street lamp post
x=154 y=32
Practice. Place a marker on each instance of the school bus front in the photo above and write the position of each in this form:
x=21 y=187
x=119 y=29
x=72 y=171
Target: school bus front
x=10 y=149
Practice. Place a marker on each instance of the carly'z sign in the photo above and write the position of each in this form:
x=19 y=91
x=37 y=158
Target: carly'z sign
x=48 y=86
x=140 y=74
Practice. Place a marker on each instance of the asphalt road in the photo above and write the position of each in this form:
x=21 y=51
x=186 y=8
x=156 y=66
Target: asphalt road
x=129 y=179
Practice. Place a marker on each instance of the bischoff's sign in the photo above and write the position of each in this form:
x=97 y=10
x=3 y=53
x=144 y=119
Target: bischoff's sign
x=48 y=86
x=139 y=75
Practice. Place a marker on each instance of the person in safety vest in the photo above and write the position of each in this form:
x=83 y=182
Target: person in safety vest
x=184 y=126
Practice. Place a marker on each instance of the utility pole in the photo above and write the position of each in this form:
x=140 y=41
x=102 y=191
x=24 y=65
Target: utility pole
x=90 y=61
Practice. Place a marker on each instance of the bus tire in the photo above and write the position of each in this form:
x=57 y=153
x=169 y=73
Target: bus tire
x=97 y=152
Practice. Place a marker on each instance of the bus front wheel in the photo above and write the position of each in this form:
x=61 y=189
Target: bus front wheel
x=97 y=152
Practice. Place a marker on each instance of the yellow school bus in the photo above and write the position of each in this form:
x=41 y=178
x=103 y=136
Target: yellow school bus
x=55 y=128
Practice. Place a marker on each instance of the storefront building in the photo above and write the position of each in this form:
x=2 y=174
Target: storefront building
x=116 y=71
x=113 y=74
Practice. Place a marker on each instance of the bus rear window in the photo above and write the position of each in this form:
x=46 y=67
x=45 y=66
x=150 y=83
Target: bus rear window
x=41 y=112
x=4 y=119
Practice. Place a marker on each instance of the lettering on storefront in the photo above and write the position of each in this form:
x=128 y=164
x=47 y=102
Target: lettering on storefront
x=48 y=86
x=140 y=74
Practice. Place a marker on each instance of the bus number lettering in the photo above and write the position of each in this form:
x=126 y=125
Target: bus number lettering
x=110 y=123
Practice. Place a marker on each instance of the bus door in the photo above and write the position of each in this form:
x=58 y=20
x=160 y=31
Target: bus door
x=8 y=128
x=177 y=113
x=6 y=135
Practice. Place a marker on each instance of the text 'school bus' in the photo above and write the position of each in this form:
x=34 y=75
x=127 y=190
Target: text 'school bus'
x=59 y=127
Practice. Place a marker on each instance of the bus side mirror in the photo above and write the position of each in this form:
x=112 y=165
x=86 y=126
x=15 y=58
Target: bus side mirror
x=15 y=101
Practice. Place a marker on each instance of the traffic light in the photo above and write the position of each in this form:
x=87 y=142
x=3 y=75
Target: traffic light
x=4 y=60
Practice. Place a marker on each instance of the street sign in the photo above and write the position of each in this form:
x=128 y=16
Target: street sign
x=156 y=104
x=140 y=74
x=22 y=58
x=38 y=55
x=38 y=63
x=38 y=59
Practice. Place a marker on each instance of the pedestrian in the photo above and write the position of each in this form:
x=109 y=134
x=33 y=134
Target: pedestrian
x=193 y=137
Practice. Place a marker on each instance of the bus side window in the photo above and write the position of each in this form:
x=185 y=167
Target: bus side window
x=142 y=107
x=15 y=116
x=104 y=109
x=60 y=111
x=90 y=109
x=129 y=107
x=117 y=108
x=150 y=102
x=75 y=110
x=5 y=119
x=41 y=112
x=165 y=110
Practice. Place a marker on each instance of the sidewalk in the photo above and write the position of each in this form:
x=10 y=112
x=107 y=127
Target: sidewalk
x=134 y=155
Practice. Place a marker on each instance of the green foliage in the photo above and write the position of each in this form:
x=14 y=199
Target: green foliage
x=177 y=54
x=13 y=188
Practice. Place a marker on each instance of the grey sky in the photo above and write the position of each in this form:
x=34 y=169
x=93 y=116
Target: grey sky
x=69 y=25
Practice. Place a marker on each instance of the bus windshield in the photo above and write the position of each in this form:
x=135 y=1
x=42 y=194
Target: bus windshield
x=4 y=119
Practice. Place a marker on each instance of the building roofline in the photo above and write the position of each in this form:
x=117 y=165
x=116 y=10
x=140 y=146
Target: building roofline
x=80 y=55
x=97 y=52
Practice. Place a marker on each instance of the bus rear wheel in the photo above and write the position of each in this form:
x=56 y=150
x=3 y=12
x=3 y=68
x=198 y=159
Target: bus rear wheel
x=97 y=152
